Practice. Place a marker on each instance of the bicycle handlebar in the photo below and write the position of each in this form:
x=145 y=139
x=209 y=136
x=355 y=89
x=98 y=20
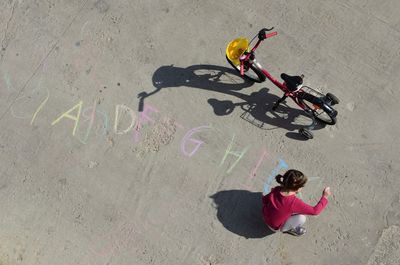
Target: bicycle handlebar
x=262 y=34
x=269 y=35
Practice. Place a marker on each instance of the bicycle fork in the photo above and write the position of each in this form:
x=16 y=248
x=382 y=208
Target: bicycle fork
x=307 y=111
x=276 y=105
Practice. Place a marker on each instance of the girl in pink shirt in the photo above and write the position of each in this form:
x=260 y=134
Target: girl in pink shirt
x=283 y=211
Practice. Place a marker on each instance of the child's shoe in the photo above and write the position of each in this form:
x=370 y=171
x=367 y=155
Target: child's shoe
x=297 y=231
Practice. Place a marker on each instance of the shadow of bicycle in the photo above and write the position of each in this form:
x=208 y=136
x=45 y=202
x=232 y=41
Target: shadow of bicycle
x=256 y=107
x=203 y=76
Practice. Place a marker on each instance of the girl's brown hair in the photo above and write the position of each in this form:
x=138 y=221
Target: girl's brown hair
x=292 y=180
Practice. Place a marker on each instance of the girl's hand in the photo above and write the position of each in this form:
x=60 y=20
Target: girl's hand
x=327 y=192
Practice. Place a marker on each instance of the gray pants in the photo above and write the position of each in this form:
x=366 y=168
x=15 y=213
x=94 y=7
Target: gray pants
x=294 y=221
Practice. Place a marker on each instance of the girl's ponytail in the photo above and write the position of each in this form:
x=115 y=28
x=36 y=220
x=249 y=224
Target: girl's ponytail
x=279 y=178
x=292 y=180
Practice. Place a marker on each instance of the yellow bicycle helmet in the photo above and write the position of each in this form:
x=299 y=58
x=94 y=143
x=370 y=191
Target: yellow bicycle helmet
x=236 y=48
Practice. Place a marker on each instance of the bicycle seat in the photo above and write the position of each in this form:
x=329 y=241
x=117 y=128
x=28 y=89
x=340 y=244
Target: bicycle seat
x=292 y=82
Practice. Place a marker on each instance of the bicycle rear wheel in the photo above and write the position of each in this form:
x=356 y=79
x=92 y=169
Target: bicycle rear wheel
x=250 y=72
x=321 y=112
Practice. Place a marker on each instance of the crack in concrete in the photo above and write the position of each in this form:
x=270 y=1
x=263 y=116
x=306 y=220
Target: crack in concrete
x=4 y=46
x=43 y=60
x=8 y=25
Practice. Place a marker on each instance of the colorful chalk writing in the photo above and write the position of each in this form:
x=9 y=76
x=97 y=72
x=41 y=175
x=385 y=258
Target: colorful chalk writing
x=187 y=138
x=238 y=154
x=189 y=145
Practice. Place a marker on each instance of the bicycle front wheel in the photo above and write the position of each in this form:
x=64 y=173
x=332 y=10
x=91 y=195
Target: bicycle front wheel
x=318 y=110
x=250 y=73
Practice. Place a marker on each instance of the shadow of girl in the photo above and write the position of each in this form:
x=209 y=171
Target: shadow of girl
x=240 y=212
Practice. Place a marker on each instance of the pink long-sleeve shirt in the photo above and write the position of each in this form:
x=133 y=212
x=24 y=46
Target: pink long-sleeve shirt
x=277 y=208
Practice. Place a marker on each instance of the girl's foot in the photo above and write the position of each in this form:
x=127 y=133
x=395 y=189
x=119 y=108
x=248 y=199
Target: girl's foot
x=297 y=231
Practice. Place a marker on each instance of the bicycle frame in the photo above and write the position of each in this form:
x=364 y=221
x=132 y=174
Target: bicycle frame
x=246 y=58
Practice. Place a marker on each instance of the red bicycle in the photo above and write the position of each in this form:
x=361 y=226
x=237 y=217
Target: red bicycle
x=313 y=102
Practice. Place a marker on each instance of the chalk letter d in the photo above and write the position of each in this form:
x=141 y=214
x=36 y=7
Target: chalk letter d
x=133 y=116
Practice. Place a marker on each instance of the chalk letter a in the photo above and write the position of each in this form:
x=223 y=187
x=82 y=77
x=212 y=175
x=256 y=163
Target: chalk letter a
x=67 y=115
